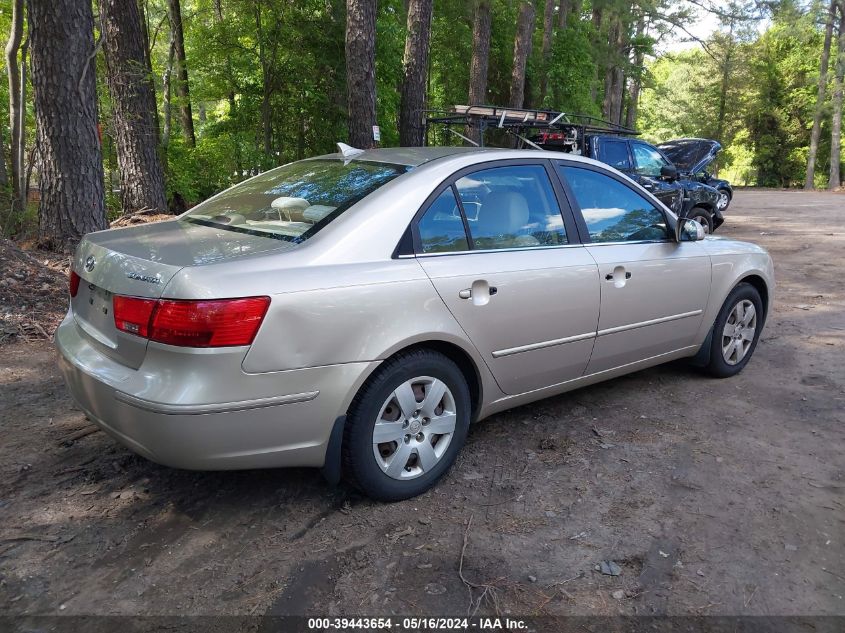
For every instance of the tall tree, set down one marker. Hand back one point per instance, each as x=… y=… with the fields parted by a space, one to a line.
x=133 y=107
x=836 y=123
x=637 y=76
x=415 y=65
x=481 y=25
x=815 y=134
x=361 y=71
x=521 y=52
x=546 y=50
x=186 y=119
x=16 y=108
x=614 y=85
x=63 y=51
x=166 y=93
x=563 y=9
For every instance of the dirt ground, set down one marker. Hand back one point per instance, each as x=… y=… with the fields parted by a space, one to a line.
x=711 y=496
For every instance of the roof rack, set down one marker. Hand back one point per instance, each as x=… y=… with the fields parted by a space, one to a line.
x=563 y=127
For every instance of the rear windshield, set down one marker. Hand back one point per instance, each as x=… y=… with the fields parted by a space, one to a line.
x=295 y=201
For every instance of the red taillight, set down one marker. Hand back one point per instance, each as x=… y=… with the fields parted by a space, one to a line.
x=132 y=314
x=73 y=283
x=213 y=323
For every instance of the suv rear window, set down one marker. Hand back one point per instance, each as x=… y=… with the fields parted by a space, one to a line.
x=295 y=201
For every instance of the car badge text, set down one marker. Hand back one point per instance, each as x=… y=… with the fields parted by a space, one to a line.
x=147 y=278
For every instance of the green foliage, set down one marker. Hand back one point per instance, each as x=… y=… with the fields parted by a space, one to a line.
x=767 y=80
x=770 y=95
x=572 y=71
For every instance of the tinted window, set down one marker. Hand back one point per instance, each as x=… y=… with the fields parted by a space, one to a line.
x=648 y=160
x=615 y=154
x=613 y=211
x=441 y=227
x=295 y=201
x=511 y=207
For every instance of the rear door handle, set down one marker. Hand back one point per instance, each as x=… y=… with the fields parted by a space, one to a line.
x=480 y=292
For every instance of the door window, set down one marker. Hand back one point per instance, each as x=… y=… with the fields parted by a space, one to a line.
x=613 y=211
x=615 y=154
x=441 y=227
x=648 y=160
x=511 y=207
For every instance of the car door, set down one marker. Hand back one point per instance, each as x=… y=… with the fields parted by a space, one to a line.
x=653 y=289
x=510 y=268
x=647 y=165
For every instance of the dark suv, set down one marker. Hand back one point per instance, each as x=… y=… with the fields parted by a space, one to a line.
x=647 y=165
x=692 y=156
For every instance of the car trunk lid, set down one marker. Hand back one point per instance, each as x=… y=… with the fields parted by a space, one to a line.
x=139 y=262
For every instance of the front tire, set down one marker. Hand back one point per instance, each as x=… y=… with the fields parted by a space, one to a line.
x=701 y=216
x=406 y=425
x=735 y=332
x=724 y=200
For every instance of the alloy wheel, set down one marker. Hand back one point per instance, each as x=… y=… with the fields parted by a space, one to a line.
x=722 y=204
x=414 y=427
x=738 y=333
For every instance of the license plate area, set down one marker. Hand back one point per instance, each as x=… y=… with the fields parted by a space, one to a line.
x=94 y=306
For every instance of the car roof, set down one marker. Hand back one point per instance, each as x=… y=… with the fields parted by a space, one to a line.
x=410 y=156
x=416 y=156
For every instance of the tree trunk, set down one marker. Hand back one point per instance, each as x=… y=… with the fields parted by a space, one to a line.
x=25 y=166
x=563 y=13
x=166 y=89
x=63 y=51
x=148 y=61
x=836 y=124
x=16 y=108
x=636 y=79
x=174 y=13
x=521 y=52
x=361 y=71
x=133 y=107
x=480 y=60
x=815 y=134
x=546 y=50
x=609 y=72
x=416 y=66
x=266 y=86
x=4 y=175
x=597 y=16
x=218 y=18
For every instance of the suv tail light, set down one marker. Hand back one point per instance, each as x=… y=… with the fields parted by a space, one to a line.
x=190 y=323
x=73 y=283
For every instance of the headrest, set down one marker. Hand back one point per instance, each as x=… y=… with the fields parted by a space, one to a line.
x=502 y=213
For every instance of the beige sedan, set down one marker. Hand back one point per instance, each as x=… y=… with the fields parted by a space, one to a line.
x=357 y=311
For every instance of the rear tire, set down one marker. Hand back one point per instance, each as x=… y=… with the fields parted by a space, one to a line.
x=701 y=216
x=418 y=404
x=735 y=332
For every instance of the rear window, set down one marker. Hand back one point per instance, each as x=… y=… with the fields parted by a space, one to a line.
x=295 y=201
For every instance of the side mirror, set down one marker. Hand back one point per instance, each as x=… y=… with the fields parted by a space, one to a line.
x=690 y=231
x=669 y=172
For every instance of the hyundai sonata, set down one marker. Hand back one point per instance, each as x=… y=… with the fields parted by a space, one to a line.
x=357 y=311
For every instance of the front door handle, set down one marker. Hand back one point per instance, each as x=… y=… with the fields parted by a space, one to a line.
x=618 y=277
x=466 y=293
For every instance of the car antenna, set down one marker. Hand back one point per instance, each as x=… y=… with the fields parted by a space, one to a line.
x=348 y=151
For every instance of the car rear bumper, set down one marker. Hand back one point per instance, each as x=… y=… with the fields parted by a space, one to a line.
x=201 y=411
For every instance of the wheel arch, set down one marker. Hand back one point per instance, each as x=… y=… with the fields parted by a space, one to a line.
x=469 y=364
x=466 y=363
x=761 y=287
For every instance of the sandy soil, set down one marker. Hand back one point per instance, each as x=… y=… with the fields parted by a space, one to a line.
x=712 y=497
